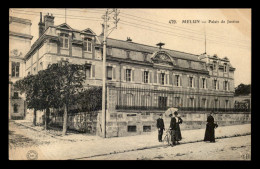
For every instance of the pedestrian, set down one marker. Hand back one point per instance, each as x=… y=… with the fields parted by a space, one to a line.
x=160 y=126
x=210 y=129
x=175 y=128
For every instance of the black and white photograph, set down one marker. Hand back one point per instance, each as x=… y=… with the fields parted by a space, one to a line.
x=129 y=84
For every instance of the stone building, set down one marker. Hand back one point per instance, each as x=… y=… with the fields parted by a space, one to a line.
x=19 y=44
x=141 y=79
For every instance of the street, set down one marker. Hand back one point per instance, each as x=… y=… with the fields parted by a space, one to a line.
x=26 y=143
x=235 y=148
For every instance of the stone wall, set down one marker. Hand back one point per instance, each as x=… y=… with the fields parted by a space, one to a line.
x=120 y=124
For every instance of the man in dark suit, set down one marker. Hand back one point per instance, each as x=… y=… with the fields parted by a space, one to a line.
x=160 y=126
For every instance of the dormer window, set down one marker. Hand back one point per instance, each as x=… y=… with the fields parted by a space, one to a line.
x=128 y=54
x=87 y=45
x=214 y=65
x=64 y=41
x=225 y=67
x=145 y=56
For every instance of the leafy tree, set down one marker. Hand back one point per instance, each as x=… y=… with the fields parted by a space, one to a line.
x=30 y=86
x=242 y=89
x=68 y=84
x=57 y=86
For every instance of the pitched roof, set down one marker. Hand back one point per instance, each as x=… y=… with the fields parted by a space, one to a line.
x=149 y=49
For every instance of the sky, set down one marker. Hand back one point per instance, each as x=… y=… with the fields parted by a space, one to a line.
x=151 y=26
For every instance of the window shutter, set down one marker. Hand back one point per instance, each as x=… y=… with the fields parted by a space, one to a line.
x=142 y=76
x=114 y=73
x=93 y=70
x=132 y=75
x=124 y=74
x=150 y=77
x=170 y=78
x=227 y=85
x=206 y=83
x=194 y=81
x=213 y=85
x=200 y=82
x=166 y=78
x=160 y=78
x=174 y=80
x=218 y=84
x=155 y=76
x=223 y=85
x=180 y=78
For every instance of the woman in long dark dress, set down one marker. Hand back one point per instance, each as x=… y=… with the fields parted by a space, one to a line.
x=175 y=129
x=210 y=129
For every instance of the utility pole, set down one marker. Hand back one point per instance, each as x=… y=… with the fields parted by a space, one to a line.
x=106 y=18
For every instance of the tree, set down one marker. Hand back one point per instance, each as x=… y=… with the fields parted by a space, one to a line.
x=55 y=87
x=242 y=89
x=68 y=85
x=30 y=86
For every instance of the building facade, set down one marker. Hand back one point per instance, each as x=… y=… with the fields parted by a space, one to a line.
x=19 y=44
x=140 y=78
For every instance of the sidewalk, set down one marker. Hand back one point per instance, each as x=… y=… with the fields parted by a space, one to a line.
x=98 y=146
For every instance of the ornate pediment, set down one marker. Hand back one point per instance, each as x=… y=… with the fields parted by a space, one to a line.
x=16 y=53
x=163 y=58
x=88 y=31
x=64 y=26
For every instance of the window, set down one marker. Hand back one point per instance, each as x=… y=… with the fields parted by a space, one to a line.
x=146 y=128
x=177 y=80
x=87 y=71
x=29 y=73
x=204 y=103
x=109 y=73
x=145 y=56
x=128 y=54
x=146 y=75
x=131 y=128
x=190 y=81
x=15 y=69
x=87 y=45
x=216 y=103
x=162 y=102
x=215 y=84
x=128 y=75
x=15 y=108
x=191 y=102
x=226 y=104
x=109 y=51
x=203 y=83
x=177 y=101
x=214 y=65
x=64 y=41
x=225 y=85
x=162 y=78
x=225 y=67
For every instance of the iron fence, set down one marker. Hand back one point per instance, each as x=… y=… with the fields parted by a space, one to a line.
x=152 y=99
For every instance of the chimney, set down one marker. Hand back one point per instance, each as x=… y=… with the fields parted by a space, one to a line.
x=129 y=39
x=48 y=20
x=41 y=26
